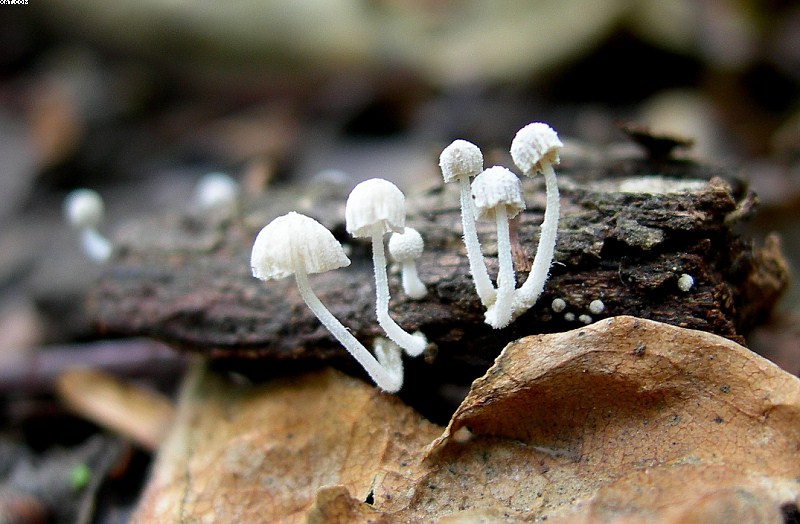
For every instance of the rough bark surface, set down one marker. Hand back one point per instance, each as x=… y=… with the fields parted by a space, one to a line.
x=629 y=228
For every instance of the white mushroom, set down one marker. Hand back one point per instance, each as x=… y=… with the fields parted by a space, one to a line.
x=376 y=207
x=294 y=244
x=460 y=161
x=535 y=149
x=685 y=282
x=558 y=305
x=84 y=209
x=405 y=248
x=586 y=319
x=217 y=193
x=497 y=195
x=596 y=307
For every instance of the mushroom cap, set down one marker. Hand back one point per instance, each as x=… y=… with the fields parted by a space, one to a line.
x=495 y=187
x=375 y=202
x=216 y=190
x=294 y=241
x=406 y=246
x=534 y=144
x=84 y=208
x=460 y=159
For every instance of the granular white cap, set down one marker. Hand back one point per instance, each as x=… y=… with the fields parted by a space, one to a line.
x=83 y=208
x=406 y=246
x=375 y=201
x=460 y=159
x=495 y=187
x=294 y=241
x=534 y=144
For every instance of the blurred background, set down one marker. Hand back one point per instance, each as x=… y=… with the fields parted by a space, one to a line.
x=138 y=100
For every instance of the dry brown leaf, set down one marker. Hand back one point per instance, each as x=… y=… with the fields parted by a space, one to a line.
x=626 y=420
x=261 y=454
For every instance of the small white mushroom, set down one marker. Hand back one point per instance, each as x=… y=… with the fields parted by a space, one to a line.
x=217 y=193
x=84 y=209
x=497 y=195
x=558 y=305
x=586 y=319
x=459 y=162
x=596 y=307
x=535 y=149
x=406 y=248
x=376 y=207
x=685 y=282
x=569 y=316
x=294 y=244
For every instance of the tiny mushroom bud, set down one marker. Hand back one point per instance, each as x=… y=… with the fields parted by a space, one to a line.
x=405 y=248
x=558 y=305
x=535 y=149
x=569 y=316
x=497 y=194
x=294 y=244
x=596 y=307
x=586 y=319
x=685 y=282
x=217 y=193
x=83 y=209
x=459 y=162
x=375 y=207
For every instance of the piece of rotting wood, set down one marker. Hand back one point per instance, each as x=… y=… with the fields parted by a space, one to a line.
x=629 y=229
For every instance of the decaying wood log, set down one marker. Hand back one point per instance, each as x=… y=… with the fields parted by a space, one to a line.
x=629 y=228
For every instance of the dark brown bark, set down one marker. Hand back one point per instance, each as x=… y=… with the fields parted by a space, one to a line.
x=187 y=282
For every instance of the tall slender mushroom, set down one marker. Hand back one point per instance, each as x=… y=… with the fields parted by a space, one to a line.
x=375 y=207
x=497 y=195
x=459 y=162
x=294 y=244
x=535 y=149
x=84 y=209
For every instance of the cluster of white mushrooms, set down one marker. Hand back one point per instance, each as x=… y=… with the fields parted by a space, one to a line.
x=496 y=194
x=294 y=244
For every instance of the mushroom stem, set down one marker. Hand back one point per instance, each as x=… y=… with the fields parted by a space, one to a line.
x=499 y=315
x=95 y=245
x=390 y=355
x=386 y=379
x=477 y=267
x=412 y=285
x=527 y=295
x=413 y=344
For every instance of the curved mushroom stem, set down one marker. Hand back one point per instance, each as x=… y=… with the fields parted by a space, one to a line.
x=527 y=295
x=499 y=315
x=95 y=245
x=413 y=344
x=386 y=379
x=412 y=285
x=477 y=267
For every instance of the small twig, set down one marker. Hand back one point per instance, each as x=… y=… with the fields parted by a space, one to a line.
x=36 y=370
